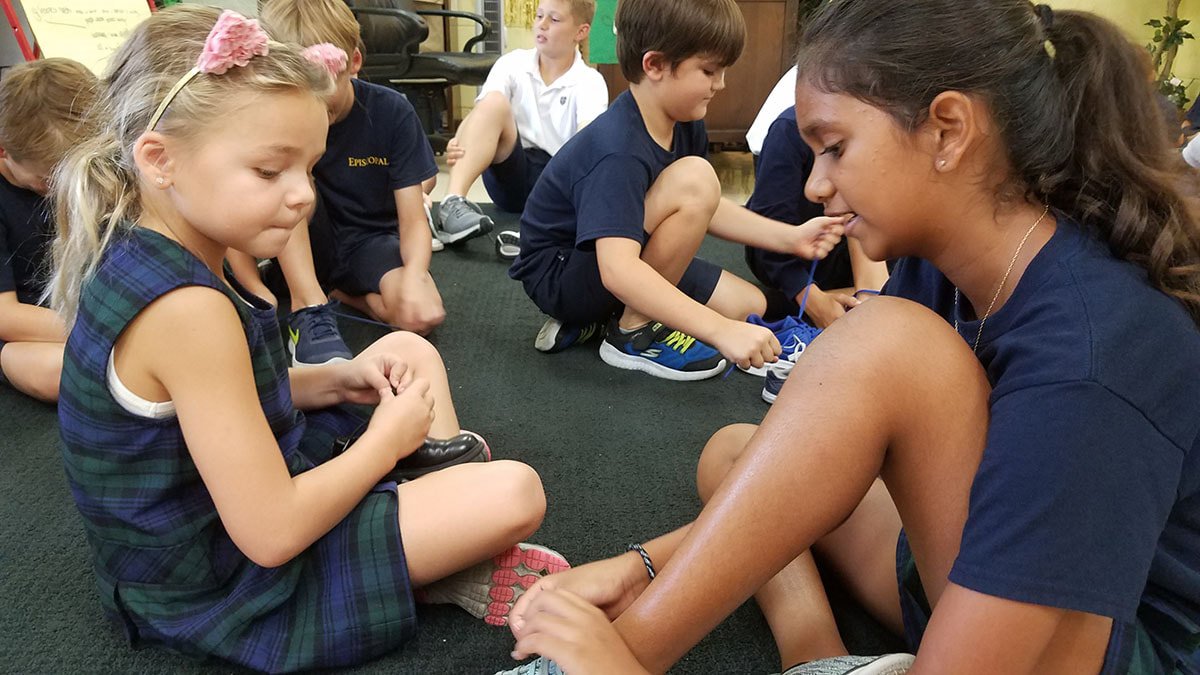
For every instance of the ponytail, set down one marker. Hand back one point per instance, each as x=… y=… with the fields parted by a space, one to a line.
x=95 y=195
x=1122 y=178
x=1070 y=95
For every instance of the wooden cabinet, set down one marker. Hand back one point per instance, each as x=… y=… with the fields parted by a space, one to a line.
x=770 y=28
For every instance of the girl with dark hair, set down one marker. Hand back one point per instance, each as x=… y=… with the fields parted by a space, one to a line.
x=1022 y=414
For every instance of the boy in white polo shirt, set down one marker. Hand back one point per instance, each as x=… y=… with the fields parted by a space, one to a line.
x=533 y=102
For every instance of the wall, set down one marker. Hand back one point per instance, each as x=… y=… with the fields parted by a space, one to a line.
x=1133 y=14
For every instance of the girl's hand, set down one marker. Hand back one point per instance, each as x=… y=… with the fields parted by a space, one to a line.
x=817 y=237
x=575 y=634
x=611 y=584
x=361 y=380
x=402 y=419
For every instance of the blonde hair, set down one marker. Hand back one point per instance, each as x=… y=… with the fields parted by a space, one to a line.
x=584 y=11
x=96 y=186
x=43 y=109
x=310 y=22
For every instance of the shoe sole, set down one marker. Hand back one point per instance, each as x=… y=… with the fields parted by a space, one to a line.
x=768 y=396
x=619 y=359
x=547 y=336
x=508 y=244
x=760 y=371
x=300 y=364
x=488 y=590
x=484 y=226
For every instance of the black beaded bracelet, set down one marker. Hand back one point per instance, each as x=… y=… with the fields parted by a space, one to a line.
x=645 y=558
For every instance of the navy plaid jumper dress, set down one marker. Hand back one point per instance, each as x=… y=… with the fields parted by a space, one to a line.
x=166 y=568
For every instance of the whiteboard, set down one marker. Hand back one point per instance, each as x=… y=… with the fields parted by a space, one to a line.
x=88 y=31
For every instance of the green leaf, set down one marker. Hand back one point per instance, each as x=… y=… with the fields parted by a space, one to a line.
x=1154 y=23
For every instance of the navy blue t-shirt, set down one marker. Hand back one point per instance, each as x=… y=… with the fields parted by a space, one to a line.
x=26 y=231
x=378 y=148
x=596 y=185
x=784 y=167
x=1088 y=494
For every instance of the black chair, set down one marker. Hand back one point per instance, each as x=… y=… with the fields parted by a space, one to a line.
x=392 y=32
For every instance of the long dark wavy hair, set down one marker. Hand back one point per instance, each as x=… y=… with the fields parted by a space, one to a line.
x=1070 y=94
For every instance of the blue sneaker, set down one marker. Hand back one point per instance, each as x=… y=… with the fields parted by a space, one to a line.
x=662 y=352
x=556 y=336
x=777 y=374
x=794 y=336
x=314 y=337
x=539 y=666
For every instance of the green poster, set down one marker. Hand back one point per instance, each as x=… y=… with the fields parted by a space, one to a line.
x=602 y=45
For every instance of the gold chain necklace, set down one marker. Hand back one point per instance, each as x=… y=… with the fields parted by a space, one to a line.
x=1011 y=264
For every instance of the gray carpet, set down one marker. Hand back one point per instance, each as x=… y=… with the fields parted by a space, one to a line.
x=616 y=451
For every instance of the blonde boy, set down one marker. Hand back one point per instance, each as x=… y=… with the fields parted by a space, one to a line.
x=368 y=237
x=43 y=108
x=533 y=102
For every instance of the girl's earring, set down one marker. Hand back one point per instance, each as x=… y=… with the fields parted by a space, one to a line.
x=160 y=180
x=941 y=164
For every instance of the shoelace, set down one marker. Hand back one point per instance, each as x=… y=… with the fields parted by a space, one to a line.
x=321 y=325
x=679 y=341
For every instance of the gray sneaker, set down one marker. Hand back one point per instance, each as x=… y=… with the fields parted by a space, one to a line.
x=888 y=664
x=461 y=220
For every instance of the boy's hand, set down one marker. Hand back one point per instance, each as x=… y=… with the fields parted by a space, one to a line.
x=817 y=237
x=403 y=418
x=420 y=309
x=573 y=633
x=361 y=380
x=825 y=308
x=454 y=151
x=747 y=345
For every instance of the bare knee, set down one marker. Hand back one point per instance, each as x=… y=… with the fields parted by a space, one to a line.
x=407 y=346
x=691 y=183
x=516 y=494
x=719 y=455
x=493 y=104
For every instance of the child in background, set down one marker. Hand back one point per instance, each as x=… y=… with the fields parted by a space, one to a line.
x=222 y=521
x=368 y=237
x=1030 y=502
x=43 y=105
x=533 y=102
x=611 y=229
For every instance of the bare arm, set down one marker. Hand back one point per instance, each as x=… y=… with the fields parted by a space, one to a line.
x=20 y=322
x=975 y=633
x=270 y=515
x=868 y=274
x=416 y=242
x=813 y=239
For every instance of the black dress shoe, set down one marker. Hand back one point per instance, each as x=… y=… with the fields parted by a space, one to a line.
x=438 y=454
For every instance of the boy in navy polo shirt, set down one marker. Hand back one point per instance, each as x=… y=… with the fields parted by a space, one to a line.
x=611 y=229
x=368 y=238
x=533 y=102
x=43 y=107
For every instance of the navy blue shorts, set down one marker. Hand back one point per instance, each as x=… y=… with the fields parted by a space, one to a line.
x=1131 y=649
x=509 y=183
x=570 y=289
x=351 y=261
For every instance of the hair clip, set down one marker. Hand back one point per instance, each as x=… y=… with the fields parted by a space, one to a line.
x=233 y=41
x=329 y=57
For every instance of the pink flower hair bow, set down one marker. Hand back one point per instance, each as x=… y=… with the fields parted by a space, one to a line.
x=329 y=57
x=234 y=40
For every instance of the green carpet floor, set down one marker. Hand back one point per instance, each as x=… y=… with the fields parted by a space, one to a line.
x=616 y=451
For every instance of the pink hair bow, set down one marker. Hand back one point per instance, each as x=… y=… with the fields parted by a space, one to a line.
x=234 y=40
x=327 y=56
